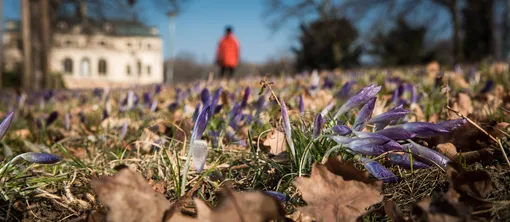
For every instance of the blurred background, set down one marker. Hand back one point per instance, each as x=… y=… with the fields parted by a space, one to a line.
x=98 y=43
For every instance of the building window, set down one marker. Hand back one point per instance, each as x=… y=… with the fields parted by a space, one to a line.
x=85 y=67
x=102 y=67
x=149 y=70
x=128 y=70
x=69 y=42
x=139 y=67
x=68 y=66
x=102 y=43
x=129 y=44
x=148 y=46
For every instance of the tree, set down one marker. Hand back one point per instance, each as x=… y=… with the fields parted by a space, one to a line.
x=404 y=45
x=478 y=30
x=327 y=44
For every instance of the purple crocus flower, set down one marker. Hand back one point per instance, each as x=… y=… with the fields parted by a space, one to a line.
x=51 y=118
x=451 y=125
x=489 y=85
x=157 y=89
x=395 y=97
x=173 y=106
x=105 y=113
x=371 y=146
x=328 y=84
x=236 y=111
x=246 y=96
x=205 y=96
x=201 y=123
x=378 y=171
x=364 y=115
x=40 y=158
x=396 y=133
x=48 y=95
x=423 y=129
x=178 y=95
x=6 y=123
x=360 y=98
x=261 y=103
x=287 y=128
x=344 y=91
x=147 y=98
x=301 y=105
x=404 y=160
x=197 y=111
x=426 y=154
x=318 y=123
x=215 y=100
x=97 y=92
x=279 y=196
x=340 y=130
x=82 y=117
x=386 y=118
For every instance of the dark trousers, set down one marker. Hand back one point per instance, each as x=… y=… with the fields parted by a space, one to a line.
x=228 y=70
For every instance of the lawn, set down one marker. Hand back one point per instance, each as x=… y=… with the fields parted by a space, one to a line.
x=402 y=144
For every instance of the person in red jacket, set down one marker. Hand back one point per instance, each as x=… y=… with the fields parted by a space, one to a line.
x=227 y=54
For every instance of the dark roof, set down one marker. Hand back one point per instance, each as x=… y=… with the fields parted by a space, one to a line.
x=90 y=26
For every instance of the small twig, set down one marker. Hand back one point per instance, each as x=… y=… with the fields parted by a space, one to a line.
x=504 y=110
x=485 y=132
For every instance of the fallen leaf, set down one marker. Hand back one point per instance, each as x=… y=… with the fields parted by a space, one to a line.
x=393 y=212
x=129 y=197
x=23 y=133
x=472 y=186
x=440 y=207
x=339 y=196
x=463 y=105
x=448 y=149
x=275 y=140
x=250 y=206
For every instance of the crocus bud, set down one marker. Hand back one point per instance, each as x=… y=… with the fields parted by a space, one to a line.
x=364 y=115
x=40 y=158
x=360 y=98
x=6 y=123
x=378 y=171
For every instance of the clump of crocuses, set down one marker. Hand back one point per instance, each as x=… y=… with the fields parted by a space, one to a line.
x=392 y=136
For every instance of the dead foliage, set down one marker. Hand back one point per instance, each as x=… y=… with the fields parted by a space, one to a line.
x=338 y=192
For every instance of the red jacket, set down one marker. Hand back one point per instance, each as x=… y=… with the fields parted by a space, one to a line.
x=228 y=51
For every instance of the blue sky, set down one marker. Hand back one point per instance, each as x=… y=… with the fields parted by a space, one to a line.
x=202 y=23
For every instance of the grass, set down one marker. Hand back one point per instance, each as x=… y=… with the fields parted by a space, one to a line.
x=62 y=191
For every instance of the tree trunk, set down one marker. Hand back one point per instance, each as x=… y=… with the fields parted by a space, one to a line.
x=457 y=44
x=1 y=42
x=27 y=46
x=45 y=50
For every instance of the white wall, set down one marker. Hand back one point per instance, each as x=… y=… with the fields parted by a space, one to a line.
x=117 y=55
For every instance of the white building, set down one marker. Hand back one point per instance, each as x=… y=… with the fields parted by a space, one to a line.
x=96 y=54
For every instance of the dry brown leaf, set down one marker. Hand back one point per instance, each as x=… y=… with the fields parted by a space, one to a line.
x=23 y=133
x=440 y=207
x=472 y=186
x=447 y=149
x=463 y=105
x=252 y=206
x=393 y=212
x=129 y=197
x=339 y=196
x=275 y=141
